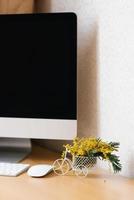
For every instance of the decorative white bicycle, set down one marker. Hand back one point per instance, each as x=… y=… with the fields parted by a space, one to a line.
x=79 y=164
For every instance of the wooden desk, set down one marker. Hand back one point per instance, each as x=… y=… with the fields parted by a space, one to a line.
x=99 y=185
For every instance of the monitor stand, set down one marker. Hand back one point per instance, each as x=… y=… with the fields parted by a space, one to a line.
x=14 y=149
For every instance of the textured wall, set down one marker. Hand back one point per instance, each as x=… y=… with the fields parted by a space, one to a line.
x=116 y=77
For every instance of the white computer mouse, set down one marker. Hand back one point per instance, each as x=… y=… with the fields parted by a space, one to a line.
x=39 y=170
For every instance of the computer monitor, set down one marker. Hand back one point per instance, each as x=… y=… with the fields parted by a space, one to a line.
x=38 y=77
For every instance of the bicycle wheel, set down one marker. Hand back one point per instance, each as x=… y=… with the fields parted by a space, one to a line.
x=81 y=170
x=61 y=166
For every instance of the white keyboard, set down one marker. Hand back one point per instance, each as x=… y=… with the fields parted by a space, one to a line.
x=12 y=169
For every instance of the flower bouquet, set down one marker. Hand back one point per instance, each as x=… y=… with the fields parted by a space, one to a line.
x=86 y=151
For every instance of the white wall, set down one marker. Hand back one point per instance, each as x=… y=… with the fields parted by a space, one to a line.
x=106 y=70
x=116 y=76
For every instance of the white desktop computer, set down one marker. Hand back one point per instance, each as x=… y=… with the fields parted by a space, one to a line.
x=38 y=80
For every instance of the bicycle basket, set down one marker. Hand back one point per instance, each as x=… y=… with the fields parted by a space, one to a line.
x=88 y=162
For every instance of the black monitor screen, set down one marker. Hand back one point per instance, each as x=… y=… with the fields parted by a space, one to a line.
x=38 y=66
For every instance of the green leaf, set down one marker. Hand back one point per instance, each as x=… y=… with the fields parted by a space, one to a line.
x=114 y=159
x=114 y=144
